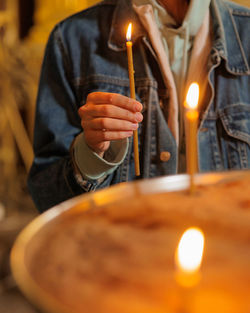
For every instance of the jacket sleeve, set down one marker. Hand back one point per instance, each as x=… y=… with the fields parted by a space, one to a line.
x=52 y=178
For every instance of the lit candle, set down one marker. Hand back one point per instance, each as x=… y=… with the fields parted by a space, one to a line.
x=188 y=257
x=192 y=115
x=132 y=94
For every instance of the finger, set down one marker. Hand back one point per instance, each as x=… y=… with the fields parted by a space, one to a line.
x=96 y=137
x=115 y=112
x=114 y=99
x=110 y=124
x=88 y=112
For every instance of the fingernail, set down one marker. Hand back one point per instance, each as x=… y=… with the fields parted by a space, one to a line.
x=138 y=106
x=138 y=117
x=134 y=126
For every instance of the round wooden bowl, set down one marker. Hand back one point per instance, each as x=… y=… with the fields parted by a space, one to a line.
x=112 y=251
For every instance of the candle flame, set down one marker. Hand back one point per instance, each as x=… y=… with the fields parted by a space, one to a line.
x=189 y=252
x=192 y=96
x=129 y=31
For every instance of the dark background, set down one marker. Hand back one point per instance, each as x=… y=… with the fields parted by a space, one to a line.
x=26 y=10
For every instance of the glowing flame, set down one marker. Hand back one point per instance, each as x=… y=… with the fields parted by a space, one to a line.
x=192 y=96
x=190 y=250
x=129 y=31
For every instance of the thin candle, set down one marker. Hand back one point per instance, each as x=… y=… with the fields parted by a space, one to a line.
x=192 y=115
x=132 y=94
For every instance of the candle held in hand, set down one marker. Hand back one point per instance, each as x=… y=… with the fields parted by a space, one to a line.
x=192 y=115
x=132 y=95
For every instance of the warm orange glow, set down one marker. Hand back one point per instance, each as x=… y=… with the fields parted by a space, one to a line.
x=192 y=96
x=129 y=31
x=190 y=250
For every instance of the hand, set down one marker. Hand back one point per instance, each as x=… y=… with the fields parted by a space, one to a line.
x=108 y=116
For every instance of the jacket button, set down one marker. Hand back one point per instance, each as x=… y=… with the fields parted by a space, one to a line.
x=165 y=156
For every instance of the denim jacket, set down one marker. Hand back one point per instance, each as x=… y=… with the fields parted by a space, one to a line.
x=87 y=53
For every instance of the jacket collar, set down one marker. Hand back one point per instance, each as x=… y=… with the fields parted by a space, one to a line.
x=226 y=39
x=123 y=15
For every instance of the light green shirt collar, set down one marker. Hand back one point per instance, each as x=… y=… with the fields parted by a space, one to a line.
x=193 y=19
x=178 y=42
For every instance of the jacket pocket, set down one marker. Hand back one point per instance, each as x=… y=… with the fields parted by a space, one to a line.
x=98 y=82
x=235 y=135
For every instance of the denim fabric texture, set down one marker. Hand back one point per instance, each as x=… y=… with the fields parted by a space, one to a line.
x=87 y=53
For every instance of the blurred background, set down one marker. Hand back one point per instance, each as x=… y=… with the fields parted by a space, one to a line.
x=24 y=29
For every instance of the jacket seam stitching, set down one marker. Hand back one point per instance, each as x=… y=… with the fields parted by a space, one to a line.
x=239 y=42
x=59 y=39
x=117 y=81
x=235 y=134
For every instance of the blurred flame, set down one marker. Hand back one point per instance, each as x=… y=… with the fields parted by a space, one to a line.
x=189 y=252
x=129 y=31
x=192 y=96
